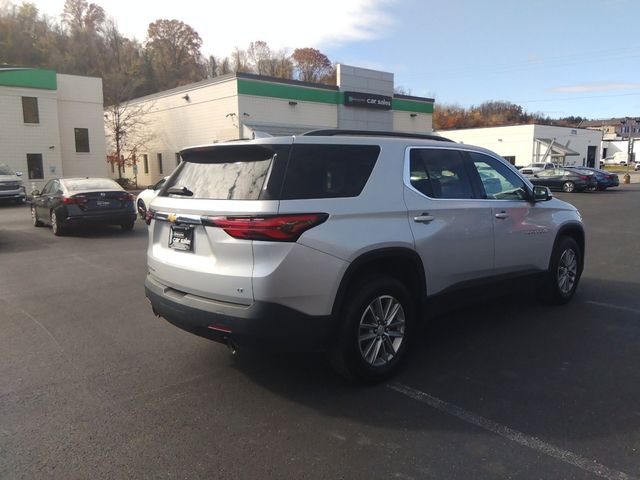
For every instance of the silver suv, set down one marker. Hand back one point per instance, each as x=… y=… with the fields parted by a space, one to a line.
x=336 y=241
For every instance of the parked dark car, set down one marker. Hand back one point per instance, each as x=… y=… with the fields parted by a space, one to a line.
x=65 y=202
x=605 y=179
x=565 y=179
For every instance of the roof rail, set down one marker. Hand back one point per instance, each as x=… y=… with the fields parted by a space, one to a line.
x=373 y=133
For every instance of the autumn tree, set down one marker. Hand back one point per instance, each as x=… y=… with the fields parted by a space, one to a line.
x=127 y=133
x=310 y=64
x=174 y=50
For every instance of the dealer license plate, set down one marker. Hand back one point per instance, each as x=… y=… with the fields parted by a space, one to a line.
x=181 y=238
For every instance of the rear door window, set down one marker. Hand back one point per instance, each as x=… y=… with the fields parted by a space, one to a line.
x=230 y=172
x=440 y=173
x=328 y=171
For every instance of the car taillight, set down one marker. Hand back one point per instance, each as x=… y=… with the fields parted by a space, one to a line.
x=274 y=228
x=75 y=200
x=148 y=216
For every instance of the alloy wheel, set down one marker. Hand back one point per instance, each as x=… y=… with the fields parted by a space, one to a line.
x=381 y=330
x=568 y=187
x=567 y=271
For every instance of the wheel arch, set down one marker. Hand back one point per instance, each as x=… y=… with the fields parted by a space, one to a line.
x=576 y=231
x=400 y=263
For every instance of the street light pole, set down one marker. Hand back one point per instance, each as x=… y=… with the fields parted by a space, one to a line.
x=627 y=176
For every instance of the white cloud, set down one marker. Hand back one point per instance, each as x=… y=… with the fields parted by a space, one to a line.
x=224 y=25
x=596 y=87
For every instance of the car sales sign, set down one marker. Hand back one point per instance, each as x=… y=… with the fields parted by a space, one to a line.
x=367 y=100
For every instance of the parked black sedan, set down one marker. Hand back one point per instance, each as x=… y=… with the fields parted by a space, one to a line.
x=605 y=179
x=565 y=180
x=65 y=202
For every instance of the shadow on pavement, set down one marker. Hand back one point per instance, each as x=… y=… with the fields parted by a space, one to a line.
x=555 y=372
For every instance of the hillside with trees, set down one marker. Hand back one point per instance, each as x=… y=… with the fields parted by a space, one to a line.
x=492 y=114
x=86 y=41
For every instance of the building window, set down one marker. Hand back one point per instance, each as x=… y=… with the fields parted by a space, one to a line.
x=82 y=139
x=145 y=162
x=160 y=163
x=511 y=159
x=34 y=166
x=30 y=112
x=113 y=167
x=177 y=159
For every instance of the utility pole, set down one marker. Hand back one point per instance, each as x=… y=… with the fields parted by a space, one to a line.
x=627 y=177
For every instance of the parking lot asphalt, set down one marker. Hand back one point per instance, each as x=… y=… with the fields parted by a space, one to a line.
x=92 y=385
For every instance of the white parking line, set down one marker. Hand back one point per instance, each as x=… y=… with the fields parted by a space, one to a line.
x=617 y=307
x=534 y=443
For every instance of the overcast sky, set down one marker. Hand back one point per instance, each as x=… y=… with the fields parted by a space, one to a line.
x=569 y=57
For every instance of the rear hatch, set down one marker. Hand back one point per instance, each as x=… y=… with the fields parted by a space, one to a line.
x=188 y=249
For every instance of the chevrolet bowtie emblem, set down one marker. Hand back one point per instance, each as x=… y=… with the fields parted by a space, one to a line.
x=172 y=217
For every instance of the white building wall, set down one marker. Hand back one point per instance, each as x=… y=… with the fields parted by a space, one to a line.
x=404 y=122
x=80 y=106
x=505 y=141
x=577 y=139
x=267 y=111
x=17 y=138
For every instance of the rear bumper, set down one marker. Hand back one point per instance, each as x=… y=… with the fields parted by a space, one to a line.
x=109 y=218
x=259 y=326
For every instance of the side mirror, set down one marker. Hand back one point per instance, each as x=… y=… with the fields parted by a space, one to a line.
x=18 y=174
x=35 y=193
x=541 y=194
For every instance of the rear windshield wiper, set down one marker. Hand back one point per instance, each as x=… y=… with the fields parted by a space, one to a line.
x=180 y=191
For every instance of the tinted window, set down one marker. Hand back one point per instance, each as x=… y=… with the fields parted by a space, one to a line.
x=34 y=166
x=47 y=188
x=499 y=182
x=82 y=139
x=145 y=160
x=440 y=173
x=83 y=184
x=30 y=113
x=328 y=171
x=160 y=163
x=236 y=172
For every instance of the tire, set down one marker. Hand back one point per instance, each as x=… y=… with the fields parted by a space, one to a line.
x=128 y=226
x=142 y=208
x=56 y=228
x=378 y=319
x=568 y=187
x=34 y=218
x=565 y=268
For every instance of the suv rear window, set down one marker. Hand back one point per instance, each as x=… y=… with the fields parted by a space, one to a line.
x=231 y=172
x=328 y=171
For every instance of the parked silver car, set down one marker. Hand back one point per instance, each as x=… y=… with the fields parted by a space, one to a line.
x=11 y=186
x=335 y=241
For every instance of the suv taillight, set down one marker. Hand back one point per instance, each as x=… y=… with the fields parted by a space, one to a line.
x=274 y=228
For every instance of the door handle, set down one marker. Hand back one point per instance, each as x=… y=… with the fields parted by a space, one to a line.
x=502 y=215
x=424 y=218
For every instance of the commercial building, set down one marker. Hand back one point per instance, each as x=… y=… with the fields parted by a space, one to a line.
x=242 y=105
x=524 y=144
x=52 y=125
